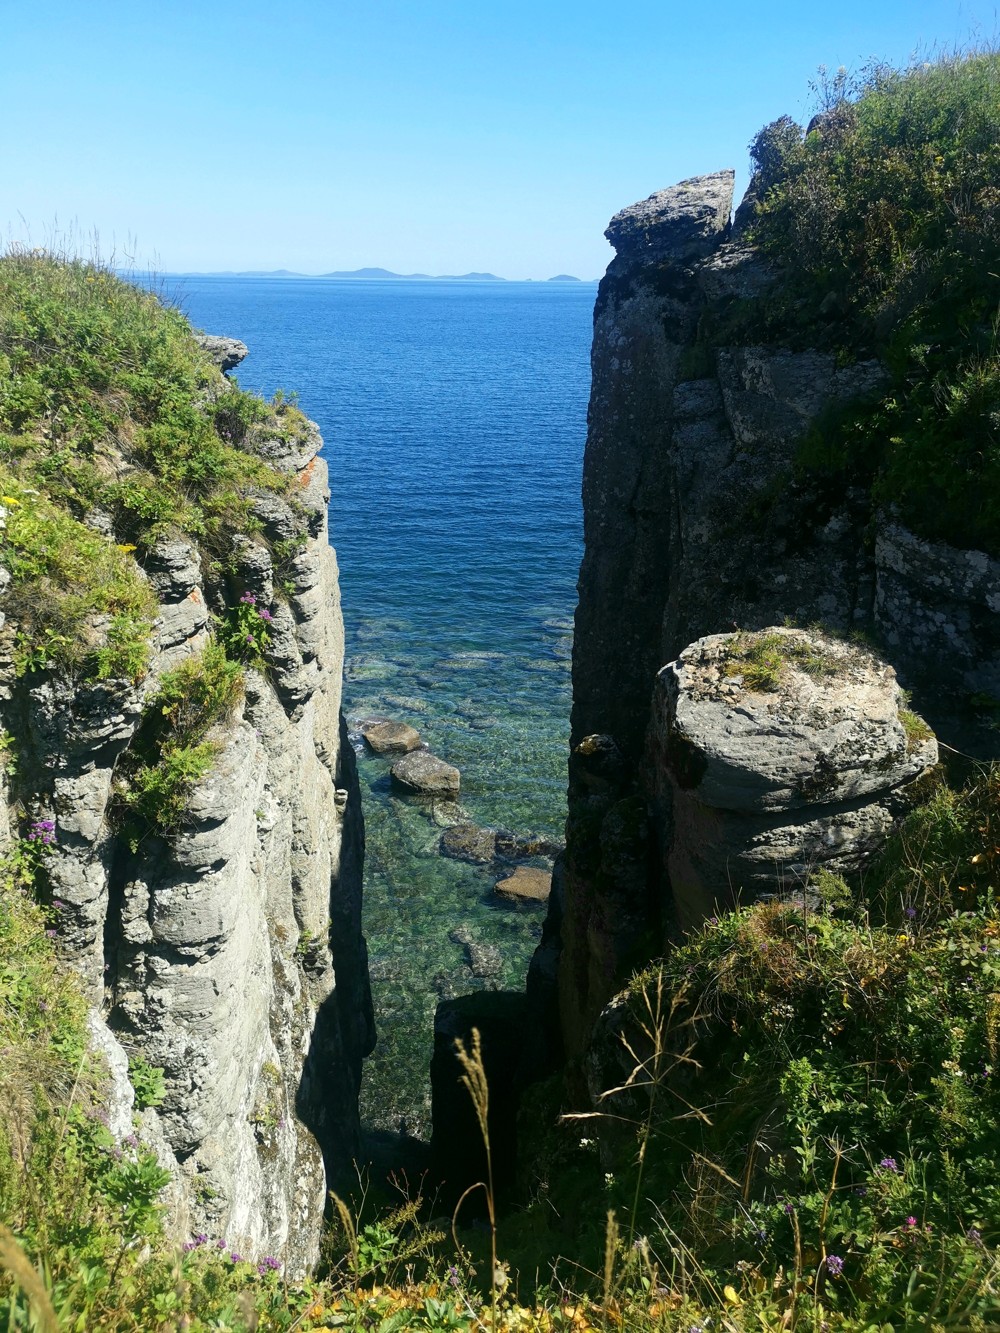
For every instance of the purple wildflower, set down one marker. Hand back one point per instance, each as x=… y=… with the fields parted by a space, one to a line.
x=248 y=599
x=269 y=1262
x=834 y=1265
x=201 y=1238
x=910 y=1222
x=974 y=1235
x=188 y=1246
x=911 y=912
x=453 y=1276
x=236 y=1258
x=789 y=1209
x=265 y=614
x=220 y=1244
x=52 y=934
x=888 y=1164
x=43 y=831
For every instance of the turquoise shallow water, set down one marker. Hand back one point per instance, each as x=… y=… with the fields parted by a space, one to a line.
x=454 y=418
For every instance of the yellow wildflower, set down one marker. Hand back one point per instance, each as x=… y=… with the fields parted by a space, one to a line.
x=9 y=500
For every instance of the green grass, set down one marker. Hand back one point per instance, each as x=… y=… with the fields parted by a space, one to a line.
x=888 y=217
x=111 y=412
x=799 y=1133
x=763 y=659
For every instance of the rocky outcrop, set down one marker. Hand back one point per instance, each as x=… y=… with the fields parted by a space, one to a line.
x=229 y=952
x=697 y=522
x=765 y=785
x=527 y=884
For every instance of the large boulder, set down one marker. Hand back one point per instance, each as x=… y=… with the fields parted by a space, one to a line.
x=388 y=737
x=423 y=774
x=778 y=753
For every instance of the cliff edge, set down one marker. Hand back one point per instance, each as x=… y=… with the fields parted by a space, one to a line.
x=170 y=683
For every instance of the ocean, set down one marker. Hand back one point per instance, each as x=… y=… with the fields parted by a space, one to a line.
x=454 y=419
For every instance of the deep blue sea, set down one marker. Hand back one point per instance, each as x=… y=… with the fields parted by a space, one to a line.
x=454 y=418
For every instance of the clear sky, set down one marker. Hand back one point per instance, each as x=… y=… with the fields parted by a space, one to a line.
x=420 y=135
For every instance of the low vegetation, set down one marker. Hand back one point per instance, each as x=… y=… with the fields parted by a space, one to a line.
x=762 y=658
x=115 y=430
x=174 y=748
x=799 y=1132
x=884 y=221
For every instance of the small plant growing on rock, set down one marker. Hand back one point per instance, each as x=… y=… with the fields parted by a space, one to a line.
x=245 y=631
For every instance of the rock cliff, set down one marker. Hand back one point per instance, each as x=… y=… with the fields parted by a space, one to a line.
x=698 y=523
x=226 y=952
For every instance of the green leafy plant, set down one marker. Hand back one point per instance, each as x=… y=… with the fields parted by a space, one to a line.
x=147 y=1082
x=172 y=749
x=884 y=222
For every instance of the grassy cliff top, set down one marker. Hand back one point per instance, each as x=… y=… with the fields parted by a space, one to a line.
x=884 y=220
x=116 y=430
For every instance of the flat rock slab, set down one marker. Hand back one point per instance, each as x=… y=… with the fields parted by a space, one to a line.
x=527 y=884
x=387 y=737
x=423 y=774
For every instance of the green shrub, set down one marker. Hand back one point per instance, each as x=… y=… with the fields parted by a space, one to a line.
x=172 y=749
x=888 y=213
x=107 y=403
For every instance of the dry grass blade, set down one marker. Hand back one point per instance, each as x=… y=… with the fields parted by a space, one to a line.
x=19 y=1267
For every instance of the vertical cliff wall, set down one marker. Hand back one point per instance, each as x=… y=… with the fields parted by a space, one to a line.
x=228 y=950
x=697 y=522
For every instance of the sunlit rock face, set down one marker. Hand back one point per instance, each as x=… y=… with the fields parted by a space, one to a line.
x=766 y=783
x=696 y=523
x=228 y=953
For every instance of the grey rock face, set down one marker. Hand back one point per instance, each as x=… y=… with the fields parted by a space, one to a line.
x=423 y=774
x=683 y=222
x=767 y=786
x=696 y=522
x=229 y=953
x=227 y=353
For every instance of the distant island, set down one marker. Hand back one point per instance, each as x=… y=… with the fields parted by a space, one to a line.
x=366 y=275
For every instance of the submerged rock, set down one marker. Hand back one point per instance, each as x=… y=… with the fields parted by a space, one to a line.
x=484 y=960
x=423 y=774
x=388 y=737
x=469 y=842
x=528 y=884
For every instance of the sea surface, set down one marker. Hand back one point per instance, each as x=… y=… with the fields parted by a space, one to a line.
x=454 y=418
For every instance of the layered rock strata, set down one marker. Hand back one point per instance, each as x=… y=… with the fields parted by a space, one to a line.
x=763 y=787
x=229 y=953
x=696 y=522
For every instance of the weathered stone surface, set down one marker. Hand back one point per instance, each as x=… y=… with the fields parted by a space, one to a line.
x=469 y=842
x=527 y=884
x=387 y=737
x=683 y=222
x=697 y=520
x=423 y=774
x=227 y=353
x=767 y=786
x=229 y=952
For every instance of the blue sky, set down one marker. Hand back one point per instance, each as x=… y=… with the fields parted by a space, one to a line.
x=430 y=135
